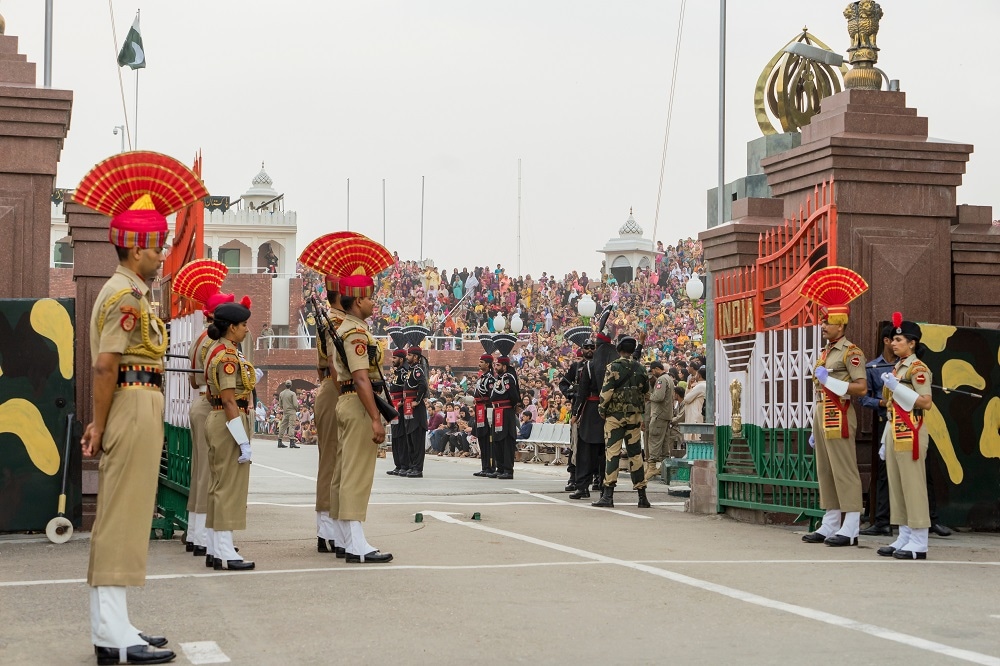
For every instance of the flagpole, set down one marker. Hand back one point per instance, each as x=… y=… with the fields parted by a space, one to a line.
x=348 y=204
x=136 y=117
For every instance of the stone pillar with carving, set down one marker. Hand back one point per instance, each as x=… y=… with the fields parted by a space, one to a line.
x=33 y=124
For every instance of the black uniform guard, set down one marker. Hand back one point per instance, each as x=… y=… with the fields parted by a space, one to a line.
x=598 y=352
x=414 y=410
x=568 y=386
x=506 y=395
x=482 y=392
x=396 y=381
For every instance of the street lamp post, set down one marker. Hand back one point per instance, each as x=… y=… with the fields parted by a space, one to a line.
x=516 y=323
x=120 y=129
x=499 y=323
x=586 y=307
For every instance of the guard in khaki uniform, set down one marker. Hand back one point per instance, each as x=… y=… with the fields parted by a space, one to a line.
x=357 y=364
x=661 y=412
x=231 y=380
x=905 y=441
x=839 y=375
x=200 y=281
x=127 y=346
x=289 y=404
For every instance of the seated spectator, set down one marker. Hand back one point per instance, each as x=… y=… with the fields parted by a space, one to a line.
x=524 y=432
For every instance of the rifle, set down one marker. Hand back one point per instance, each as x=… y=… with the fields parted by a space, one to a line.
x=383 y=404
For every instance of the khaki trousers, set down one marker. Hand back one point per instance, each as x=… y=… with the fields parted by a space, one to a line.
x=837 y=466
x=201 y=475
x=325 y=411
x=126 y=488
x=227 y=494
x=357 y=459
x=908 y=483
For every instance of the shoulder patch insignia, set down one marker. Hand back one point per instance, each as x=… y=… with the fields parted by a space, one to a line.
x=855 y=361
x=360 y=349
x=229 y=368
x=128 y=322
x=920 y=378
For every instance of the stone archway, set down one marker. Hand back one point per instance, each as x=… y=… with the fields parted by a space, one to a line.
x=270 y=257
x=236 y=255
x=621 y=268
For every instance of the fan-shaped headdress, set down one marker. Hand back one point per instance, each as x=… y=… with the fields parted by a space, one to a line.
x=138 y=190
x=578 y=335
x=833 y=288
x=398 y=340
x=318 y=254
x=505 y=344
x=488 y=348
x=414 y=336
x=357 y=259
x=201 y=280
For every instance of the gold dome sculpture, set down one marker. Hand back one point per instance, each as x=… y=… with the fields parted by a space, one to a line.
x=791 y=87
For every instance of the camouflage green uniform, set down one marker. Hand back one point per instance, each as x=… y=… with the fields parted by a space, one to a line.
x=623 y=400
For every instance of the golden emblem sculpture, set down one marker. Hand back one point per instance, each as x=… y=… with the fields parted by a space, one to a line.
x=791 y=87
x=862 y=25
x=735 y=391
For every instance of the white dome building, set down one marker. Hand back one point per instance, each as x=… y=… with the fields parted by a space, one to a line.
x=629 y=252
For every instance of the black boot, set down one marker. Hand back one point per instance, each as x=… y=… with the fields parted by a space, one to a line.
x=281 y=446
x=607 y=498
x=582 y=492
x=643 y=500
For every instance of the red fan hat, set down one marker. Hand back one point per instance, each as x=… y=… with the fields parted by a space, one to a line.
x=137 y=190
x=319 y=256
x=833 y=288
x=357 y=259
x=201 y=280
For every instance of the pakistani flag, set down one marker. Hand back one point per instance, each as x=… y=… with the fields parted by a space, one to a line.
x=132 y=54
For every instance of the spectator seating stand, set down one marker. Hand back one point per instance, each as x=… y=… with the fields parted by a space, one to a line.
x=545 y=440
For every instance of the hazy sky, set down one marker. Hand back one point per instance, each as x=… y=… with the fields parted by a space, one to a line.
x=459 y=90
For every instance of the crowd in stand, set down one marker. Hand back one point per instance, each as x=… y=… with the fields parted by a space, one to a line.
x=458 y=302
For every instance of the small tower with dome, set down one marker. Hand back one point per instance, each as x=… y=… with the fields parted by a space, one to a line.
x=628 y=253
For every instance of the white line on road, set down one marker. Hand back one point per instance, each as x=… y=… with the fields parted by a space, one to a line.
x=741 y=595
x=583 y=505
x=421 y=503
x=285 y=471
x=204 y=652
x=880 y=562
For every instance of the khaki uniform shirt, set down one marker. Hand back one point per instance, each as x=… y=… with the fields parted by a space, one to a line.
x=229 y=369
x=844 y=360
x=116 y=324
x=357 y=338
x=661 y=399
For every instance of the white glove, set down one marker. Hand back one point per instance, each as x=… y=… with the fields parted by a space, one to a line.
x=812 y=441
x=904 y=396
x=881 y=451
x=890 y=381
x=237 y=430
x=244 y=453
x=259 y=373
x=837 y=386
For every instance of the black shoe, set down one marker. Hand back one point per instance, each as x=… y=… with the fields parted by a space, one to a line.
x=393 y=472
x=570 y=487
x=374 y=557
x=209 y=561
x=136 y=654
x=597 y=486
x=341 y=552
x=199 y=551
x=188 y=546
x=414 y=474
x=643 y=500
x=155 y=641
x=813 y=537
x=505 y=475
x=233 y=565
x=886 y=551
x=583 y=493
x=324 y=545
x=607 y=500
x=877 y=530
x=281 y=446
x=940 y=530
x=490 y=475
x=480 y=473
x=838 y=540
x=293 y=445
x=909 y=555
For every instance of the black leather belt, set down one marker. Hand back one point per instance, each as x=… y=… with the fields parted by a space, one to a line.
x=348 y=387
x=135 y=377
x=216 y=403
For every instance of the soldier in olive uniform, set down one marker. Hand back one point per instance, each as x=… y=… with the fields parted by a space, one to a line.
x=361 y=428
x=623 y=399
x=661 y=412
x=231 y=381
x=839 y=375
x=905 y=442
x=289 y=403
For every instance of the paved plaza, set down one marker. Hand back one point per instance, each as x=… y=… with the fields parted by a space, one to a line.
x=539 y=579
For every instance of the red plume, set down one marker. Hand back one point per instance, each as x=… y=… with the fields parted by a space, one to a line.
x=245 y=302
x=897 y=319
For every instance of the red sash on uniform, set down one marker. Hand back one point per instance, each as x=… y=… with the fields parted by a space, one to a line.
x=480 y=413
x=397 y=400
x=835 y=414
x=498 y=411
x=904 y=431
x=408 y=398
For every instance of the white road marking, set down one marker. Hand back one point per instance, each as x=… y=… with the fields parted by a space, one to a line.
x=204 y=652
x=741 y=595
x=284 y=471
x=415 y=502
x=880 y=562
x=579 y=505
